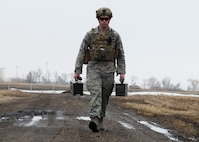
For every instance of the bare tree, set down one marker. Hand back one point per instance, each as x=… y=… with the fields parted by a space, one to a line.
x=48 y=77
x=166 y=83
x=60 y=80
x=56 y=76
x=64 y=77
x=194 y=84
x=145 y=84
x=176 y=87
x=153 y=83
x=39 y=73
x=30 y=77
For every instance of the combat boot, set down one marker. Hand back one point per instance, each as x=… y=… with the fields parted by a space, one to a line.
x=100 y=124
x=93 y=125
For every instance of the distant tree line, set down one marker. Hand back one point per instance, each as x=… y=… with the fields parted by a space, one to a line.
x=165 y=83
x=37 y=76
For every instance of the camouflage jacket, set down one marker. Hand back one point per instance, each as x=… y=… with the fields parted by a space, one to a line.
x=118 y=65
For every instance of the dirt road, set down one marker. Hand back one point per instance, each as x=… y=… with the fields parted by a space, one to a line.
x=64 y=118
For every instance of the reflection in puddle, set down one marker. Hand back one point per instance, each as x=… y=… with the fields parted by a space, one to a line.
x=3 y=118
x=34 y=121
x=59 y=115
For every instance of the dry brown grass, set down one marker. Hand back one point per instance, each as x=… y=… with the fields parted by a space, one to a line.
x=8 y=95
x=181 y=113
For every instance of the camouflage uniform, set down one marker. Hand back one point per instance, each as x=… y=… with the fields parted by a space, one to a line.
x=100 y=74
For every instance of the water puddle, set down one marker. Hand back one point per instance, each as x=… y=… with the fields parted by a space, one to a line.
x=38 y=118
x=158 y=129
x=33 y=118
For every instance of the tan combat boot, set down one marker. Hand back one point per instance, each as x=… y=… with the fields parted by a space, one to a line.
x=100 y=124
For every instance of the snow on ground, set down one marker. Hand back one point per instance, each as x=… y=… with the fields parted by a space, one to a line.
x=113 y=94
x=162 y=93
x=153 y=93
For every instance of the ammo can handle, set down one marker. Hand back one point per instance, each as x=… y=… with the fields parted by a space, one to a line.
x=79 y=78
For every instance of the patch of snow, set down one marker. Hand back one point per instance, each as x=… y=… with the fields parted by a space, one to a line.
x=158 y=130
x=86 y=118
x=44 y=91
x=162 y=93
x=126 y=125
x=151 y=93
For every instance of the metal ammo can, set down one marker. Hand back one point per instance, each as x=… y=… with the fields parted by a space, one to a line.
x=76 y=88
x=121 y=89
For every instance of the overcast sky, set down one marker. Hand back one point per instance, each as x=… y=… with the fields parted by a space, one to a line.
x=160 y=37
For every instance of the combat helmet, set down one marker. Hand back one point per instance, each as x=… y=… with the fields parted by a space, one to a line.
x=103 y=11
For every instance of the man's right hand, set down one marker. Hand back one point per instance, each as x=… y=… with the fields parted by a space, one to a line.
x=77 y=76
x=122 y=76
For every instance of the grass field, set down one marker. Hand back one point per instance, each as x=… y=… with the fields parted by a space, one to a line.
x=6 y=95
x=9 y=96
x=181 y=113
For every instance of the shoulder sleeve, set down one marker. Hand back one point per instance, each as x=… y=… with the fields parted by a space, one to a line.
x=121 y=64
x=84 y=45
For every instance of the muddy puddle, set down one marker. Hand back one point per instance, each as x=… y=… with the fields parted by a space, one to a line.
x=33 y=118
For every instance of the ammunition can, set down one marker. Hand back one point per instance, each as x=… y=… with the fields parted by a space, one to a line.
x=76 y=88
x=121 y=89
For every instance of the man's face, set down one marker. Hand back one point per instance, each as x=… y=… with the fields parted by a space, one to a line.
x=104 y=21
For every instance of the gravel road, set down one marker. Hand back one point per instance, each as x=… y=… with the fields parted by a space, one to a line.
x=64 y=118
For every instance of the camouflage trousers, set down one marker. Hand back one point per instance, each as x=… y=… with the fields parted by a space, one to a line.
x=100 y=86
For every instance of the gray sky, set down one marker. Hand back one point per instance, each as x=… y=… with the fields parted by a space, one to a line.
x=160 y=37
